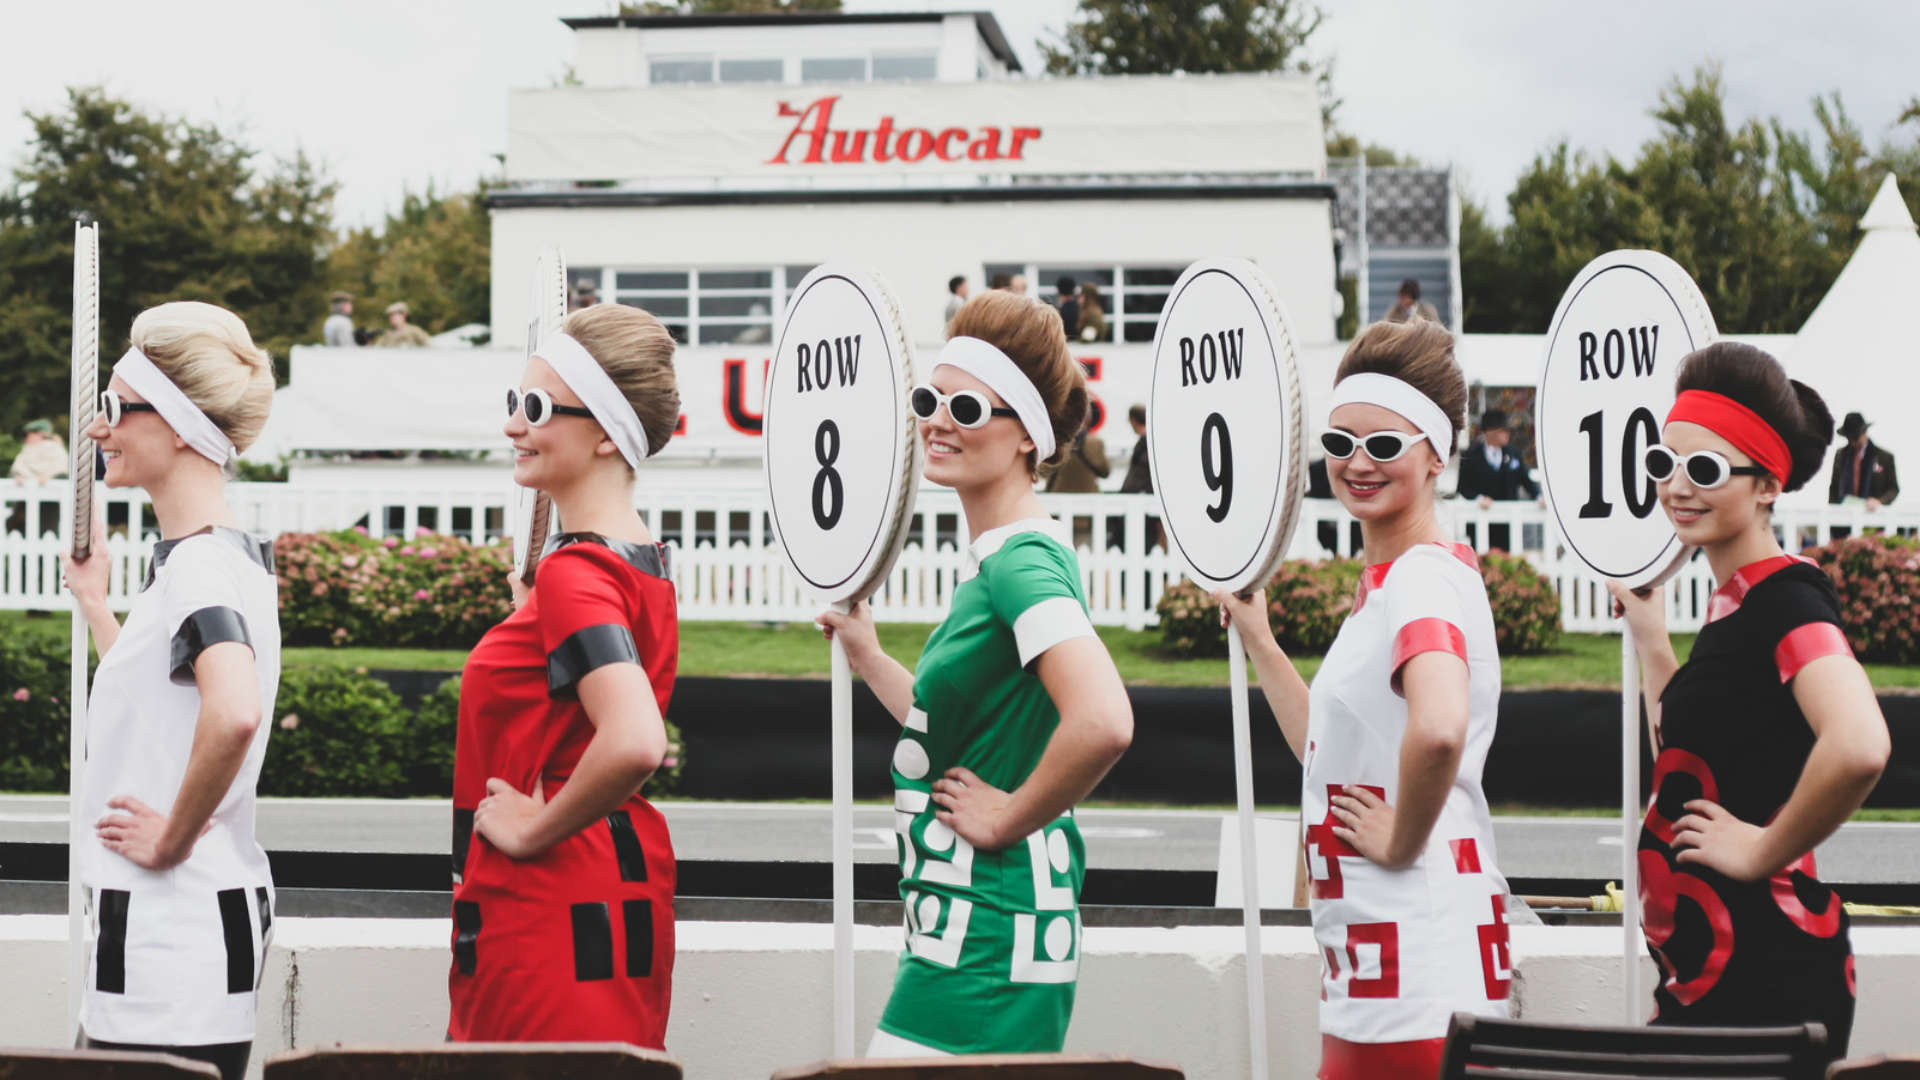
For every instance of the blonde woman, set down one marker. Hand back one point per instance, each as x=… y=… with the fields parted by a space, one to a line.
x=181 y=895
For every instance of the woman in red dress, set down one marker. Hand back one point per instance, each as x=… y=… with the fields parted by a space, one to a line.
x=563 y=875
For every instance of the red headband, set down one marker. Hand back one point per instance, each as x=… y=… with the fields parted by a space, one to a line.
x=1738 y=425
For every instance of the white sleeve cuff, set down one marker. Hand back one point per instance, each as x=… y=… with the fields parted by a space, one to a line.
x=1048 y=623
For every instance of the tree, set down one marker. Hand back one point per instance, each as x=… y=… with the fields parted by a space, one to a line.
x=1198 y=37
x=727 y=7
x=185 y=215
x=435 y=254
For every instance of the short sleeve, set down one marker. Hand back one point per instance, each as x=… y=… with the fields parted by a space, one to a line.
x=1424 y=610
x=1034 y=586
x=1803 y=624
x=202 y=603
x=584 y=613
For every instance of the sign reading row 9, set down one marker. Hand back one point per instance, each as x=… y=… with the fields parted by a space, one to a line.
x=1224 y=430
x=842 y=451
x=1605 y=389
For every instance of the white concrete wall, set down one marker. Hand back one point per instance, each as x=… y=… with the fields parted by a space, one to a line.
x=916 y=246
x=753 y=997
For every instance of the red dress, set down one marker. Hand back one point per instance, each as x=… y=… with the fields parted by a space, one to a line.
x=575 y=945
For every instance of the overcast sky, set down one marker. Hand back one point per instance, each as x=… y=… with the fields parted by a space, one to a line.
x=400 y=92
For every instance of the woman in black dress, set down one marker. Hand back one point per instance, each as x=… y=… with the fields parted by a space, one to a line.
x=1768 y=738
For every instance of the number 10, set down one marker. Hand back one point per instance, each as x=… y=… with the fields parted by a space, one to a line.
x=1640 y=497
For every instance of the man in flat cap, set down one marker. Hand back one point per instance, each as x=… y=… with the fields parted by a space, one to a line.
x=1861 y=469
x=42 y=456
x=401 y=333
x=338 y=331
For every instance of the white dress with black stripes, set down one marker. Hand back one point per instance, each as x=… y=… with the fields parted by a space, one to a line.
x=178 y=954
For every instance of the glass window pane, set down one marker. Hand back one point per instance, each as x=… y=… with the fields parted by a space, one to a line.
x=797 y=274
x=1145 y=303
x=1101 y=276
x=924 y=66
x=645 y=279
x=995 y=271
x=834 y=70
x=736 y=334
x=756 y=307
x=680 y=71
x=1147 y=275
x=679 y=332
x=752 y=70
x=1141 y=330
x=736 y=279
x=662 y=306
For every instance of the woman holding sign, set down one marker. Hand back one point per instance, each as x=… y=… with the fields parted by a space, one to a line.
x=1408 y=907
x=563 y=874
x=1014 y=714
x=1769 y=736
x=182 y=894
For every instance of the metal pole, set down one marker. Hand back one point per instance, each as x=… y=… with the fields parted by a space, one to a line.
x=1631 y=946
x=842 y=848
x=1249 y=865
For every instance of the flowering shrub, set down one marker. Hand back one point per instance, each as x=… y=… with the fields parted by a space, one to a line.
x=34 y=716
x=345 y=588
x=1526 y=610
x=1878 y=579
x=336 y=732
x=1190 y=622
x=1307 y=602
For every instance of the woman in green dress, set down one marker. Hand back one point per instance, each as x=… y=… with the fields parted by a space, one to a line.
x=1014 y=714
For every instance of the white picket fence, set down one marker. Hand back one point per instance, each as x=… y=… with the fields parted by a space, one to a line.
x=727 y=566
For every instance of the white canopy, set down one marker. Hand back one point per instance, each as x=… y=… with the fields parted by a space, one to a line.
x=1858 y=348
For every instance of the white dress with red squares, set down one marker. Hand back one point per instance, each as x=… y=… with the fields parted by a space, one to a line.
x=1403 y=950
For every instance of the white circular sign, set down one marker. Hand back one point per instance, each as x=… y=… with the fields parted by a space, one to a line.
x=842 y=449
x=533 y=514
x=1224 y=432
x=1607 y=383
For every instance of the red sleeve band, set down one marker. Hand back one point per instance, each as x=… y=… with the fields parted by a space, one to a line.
x=1423 y=636
x=1805 y=644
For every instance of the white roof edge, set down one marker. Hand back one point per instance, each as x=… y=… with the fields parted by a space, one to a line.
x=1888 y=210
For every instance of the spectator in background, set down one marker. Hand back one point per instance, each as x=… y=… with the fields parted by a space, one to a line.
x=1093 y=317
x=42 y=456
x=1410 y=306
x=1861 y=469
x=1067 y=299
x=957 y=293
x=1002 y=282
x=401 y=333
x=1080 y=473
x=337 y=333
x=1139 y=478
x=585 y=294
x=1017 y=285
x=1489 y=474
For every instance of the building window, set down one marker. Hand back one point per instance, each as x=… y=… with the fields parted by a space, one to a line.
x=707 y=307
x=680 y=69
x=752 y=71
x=923 y=66
x=1132 y=296
x=834 y=69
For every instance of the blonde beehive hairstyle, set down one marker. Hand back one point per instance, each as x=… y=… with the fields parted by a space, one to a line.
x=1418 y=353
x=207 y=352
x=637 y=353
x=1030 y=333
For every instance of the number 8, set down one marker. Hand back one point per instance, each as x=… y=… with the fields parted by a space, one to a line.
x=826 y=451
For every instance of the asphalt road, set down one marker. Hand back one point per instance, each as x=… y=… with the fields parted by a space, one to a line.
x=1532 y=847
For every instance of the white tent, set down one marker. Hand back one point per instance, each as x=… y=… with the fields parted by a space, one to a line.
x=1859 y=347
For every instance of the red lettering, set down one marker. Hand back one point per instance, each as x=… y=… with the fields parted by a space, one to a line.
x=883 y=140
x=841 y=154
x=1020 y=136
x=733 y=400
x=986 y=147
x=907 y=149
x=944 y=147
x=821 y=114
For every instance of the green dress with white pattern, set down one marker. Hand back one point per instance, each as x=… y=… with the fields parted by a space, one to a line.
x=993 y=938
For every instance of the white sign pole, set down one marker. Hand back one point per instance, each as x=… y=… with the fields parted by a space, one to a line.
x=1631 y=945
x=86 y=377
x=1226 y=449
x=1606 y=385
x=842 y=848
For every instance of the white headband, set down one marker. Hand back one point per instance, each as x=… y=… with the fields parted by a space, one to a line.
x=1373 y=388
x=983 y=361
x=585 y=377
x=179 y=411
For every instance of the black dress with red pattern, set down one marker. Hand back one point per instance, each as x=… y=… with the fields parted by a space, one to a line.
x=576 y=944
x=1732 y=952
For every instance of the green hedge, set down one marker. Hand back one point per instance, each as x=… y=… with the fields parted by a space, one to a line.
x=35 y=671
x=430 y=592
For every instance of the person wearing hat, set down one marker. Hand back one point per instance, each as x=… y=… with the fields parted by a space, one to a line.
x=42 y=457
x=401 y=333
x=585 y=294
x=337 y=333
x=1861 y=469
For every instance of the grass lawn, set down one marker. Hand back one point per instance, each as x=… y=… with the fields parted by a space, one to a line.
x=795 y=650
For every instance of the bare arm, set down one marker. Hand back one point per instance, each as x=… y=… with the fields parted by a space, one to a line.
x=1646 y=616
x=229 y=717
x=891 y=682
x=629 y=739
x=87 y=582
x=1096 y=727
x=1436 y=689
x=1286 y=691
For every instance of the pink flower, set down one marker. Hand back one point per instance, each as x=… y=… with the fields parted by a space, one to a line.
x=408 y=550
x=669 y=762
x=361 y=529
x=289 y=721
x=421 y=594
x=350 y=561
x=390 y=542
x=22 y=694
x=429 y=553
x=422 y=530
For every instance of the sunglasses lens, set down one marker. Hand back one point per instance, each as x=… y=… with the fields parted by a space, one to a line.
x=536 y=407
x=967 y=408
x=1706 y=470
x=925 y=402
x=1337 y=444
x=513 y=402
x=1385 y=446
x=1659 y=462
